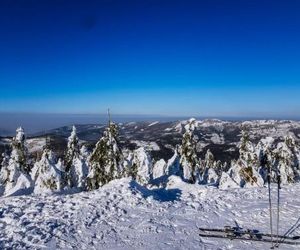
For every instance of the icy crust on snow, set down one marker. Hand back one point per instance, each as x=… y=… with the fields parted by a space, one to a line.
x=124 y=215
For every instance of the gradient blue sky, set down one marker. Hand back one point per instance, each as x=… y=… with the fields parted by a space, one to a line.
x=209 y=58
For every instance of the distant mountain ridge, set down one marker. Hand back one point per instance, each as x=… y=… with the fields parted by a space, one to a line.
x=160 y=138
x=35 y=122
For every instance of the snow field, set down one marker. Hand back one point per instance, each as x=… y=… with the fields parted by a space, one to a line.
x=124 y=215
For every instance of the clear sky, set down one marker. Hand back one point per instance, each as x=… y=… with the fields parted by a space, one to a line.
x=210 y=58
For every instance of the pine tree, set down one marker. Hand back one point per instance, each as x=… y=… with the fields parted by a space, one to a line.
x=20 y=150
x=189 y=160
x=4 y=172
x=244 y=171
x=173 y=165
x=247 y=151
x=159 y=169
x=72 y=150
x=264 y=152
x=17 y=171
x=209 y=159
x=45 y=175
x=141 y=168
x=105 y=161
x=295 y=158
x=76 y=168
x=210 y=175
x=286 y=161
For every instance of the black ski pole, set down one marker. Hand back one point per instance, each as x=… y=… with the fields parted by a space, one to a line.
x=278 y=201
x=265 y=162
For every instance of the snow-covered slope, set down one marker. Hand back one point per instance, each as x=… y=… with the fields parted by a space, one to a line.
x=124 y=215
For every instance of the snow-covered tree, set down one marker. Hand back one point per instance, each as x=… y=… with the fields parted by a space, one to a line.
x=244 y=171
x=286 y=160
x=45 y=174
x=76 y=169
x=173 y=165
x=159 y=169
x=209 y=159
x=141 y=166
x=292 y=145
x=20 y=150
x=189 y=160
x=16 y=175
x=4 y=161
x=60 y=166
x=210 y=175
x=84 y=152
x=73 y=148
x=105 y=161
x=4 y=173
x=247 y=150
x=264 y=154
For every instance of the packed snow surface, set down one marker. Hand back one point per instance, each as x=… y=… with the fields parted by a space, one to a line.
x=125 y=215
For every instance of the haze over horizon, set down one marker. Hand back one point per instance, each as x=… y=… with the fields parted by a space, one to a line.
x=170 y=58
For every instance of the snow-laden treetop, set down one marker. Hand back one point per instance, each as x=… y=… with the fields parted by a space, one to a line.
x=20 y=135
x=191 y=125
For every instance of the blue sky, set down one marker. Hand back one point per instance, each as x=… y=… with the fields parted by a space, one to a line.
x=209 y=58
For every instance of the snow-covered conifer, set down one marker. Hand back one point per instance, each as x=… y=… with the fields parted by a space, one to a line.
x=247 y=150
x=244 y=171
x=76 y=169
x=20 y=150
x=4 y=173
x=84 y=152
x=60 y=166
x=286 y=160
x=189 y=160
x=45 y=175
x=17 y=172
x=209 y=175
x=141 y=168
x=127 y=163
x=209 y=159
x=291 y=143
x=73 y=148
x=264 y=154
x=105 y=161
x=173 y=165
x=159 y=169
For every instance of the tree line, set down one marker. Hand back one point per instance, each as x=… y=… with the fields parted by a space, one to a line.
x=82 y=170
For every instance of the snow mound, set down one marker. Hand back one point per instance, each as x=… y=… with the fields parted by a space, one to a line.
x=21 y=186
x=226 y=182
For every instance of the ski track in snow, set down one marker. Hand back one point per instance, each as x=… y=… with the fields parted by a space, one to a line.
x=124 y=215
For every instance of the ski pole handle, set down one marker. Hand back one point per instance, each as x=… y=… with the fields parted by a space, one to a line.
x=279 y=181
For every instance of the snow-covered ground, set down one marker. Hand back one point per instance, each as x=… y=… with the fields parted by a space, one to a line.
x=125 y=215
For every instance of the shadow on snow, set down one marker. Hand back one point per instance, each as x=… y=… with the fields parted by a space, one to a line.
x=159 y=194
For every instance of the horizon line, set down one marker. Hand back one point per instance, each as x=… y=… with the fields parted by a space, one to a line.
x=203 y=116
